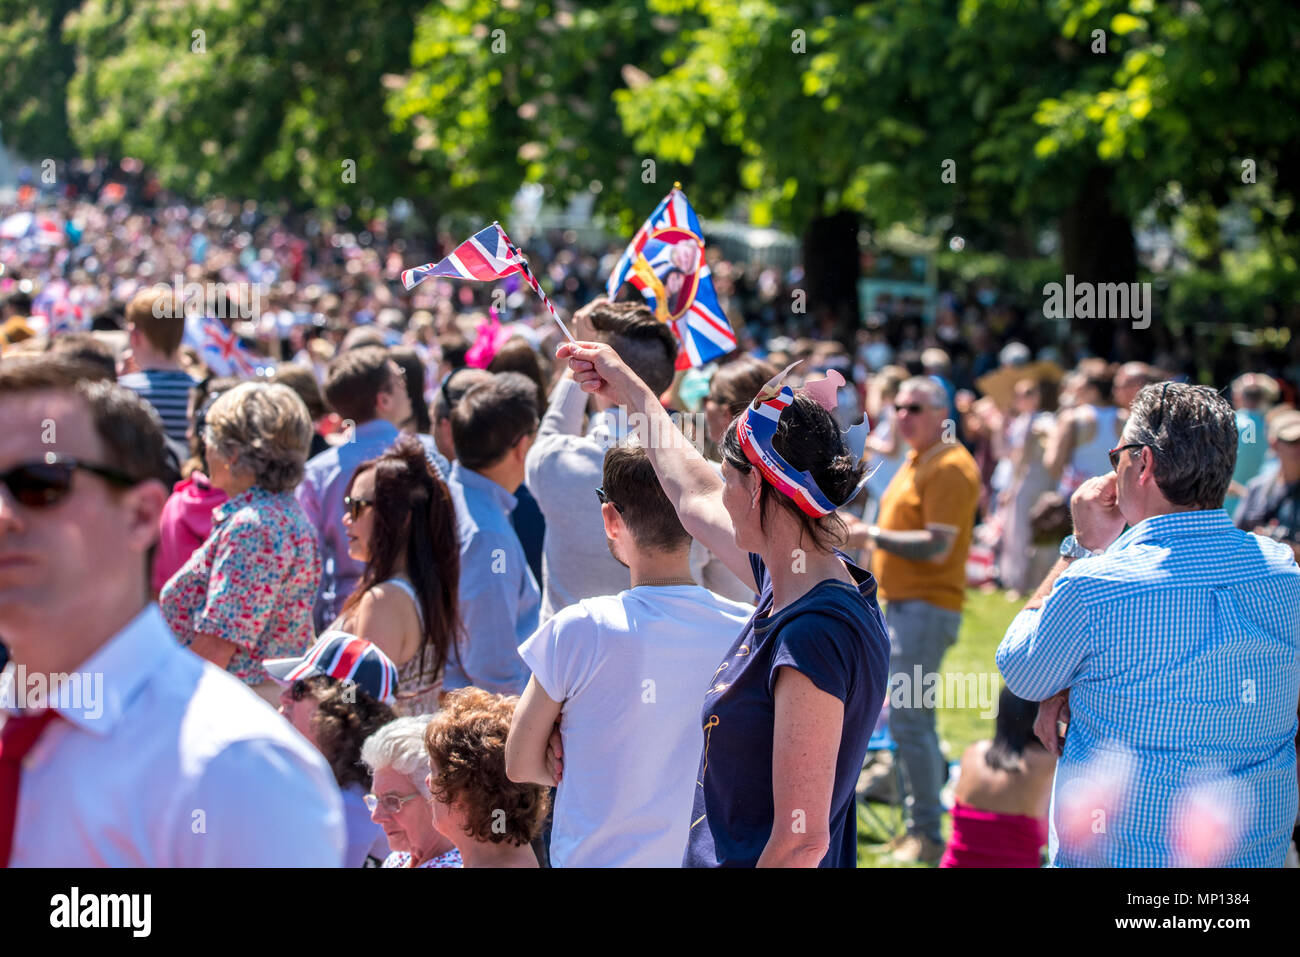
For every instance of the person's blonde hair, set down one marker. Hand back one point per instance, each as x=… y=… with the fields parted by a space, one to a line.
x=267 y=426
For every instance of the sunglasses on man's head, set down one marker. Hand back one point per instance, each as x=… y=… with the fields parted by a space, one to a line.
x=43 y=484
x=353 y=506
x=604 y=500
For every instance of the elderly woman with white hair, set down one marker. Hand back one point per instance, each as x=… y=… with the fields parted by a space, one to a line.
x=247 y=593
x=399 y=798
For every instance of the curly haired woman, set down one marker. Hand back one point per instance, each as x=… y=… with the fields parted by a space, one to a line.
x=489 y=818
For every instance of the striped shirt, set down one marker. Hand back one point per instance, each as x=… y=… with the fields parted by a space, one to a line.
x=168 y=391
x=1180 y=646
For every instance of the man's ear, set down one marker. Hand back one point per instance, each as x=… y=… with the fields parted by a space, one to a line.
x=1148 y=460
x=145 y=504
x=614 y=526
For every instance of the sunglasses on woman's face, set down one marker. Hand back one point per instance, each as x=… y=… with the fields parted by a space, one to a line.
x=353 y=506
x=47 y=483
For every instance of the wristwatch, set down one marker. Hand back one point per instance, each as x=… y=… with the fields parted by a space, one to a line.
x=1070 y=548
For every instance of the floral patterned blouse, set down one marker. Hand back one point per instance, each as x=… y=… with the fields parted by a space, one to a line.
x=403 y=859
x=252 y=582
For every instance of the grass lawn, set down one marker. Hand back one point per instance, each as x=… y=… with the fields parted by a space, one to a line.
x=984 y=622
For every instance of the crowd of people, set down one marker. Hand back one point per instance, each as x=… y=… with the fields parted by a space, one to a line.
x=506 y=621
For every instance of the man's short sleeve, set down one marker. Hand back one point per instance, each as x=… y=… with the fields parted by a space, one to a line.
x=949 y=498
x=559 y=653
x=818 y=646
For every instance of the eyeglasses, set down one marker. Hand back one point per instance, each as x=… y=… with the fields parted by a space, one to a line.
x=914 y=408
x=44 y=484
x=604 y=500
x=353 y=506
x=1113 y=454
x=392 y=803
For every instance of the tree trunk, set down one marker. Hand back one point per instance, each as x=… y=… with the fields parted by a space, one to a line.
x=831 y=267
x=1097 y=246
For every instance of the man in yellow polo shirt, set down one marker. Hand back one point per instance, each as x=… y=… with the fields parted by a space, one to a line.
x=927 y=516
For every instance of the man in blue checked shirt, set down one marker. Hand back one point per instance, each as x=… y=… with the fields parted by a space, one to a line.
x=1170 y=651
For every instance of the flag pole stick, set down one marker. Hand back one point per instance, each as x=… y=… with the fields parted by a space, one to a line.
x=536 y=286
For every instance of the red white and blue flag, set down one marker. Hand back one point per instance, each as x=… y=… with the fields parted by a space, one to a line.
x=221 y=350
x=487 y=255
x=665 y=261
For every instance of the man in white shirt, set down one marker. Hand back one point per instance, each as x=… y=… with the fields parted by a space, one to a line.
x=117 y=746
x=568 y=453
x=625 y=676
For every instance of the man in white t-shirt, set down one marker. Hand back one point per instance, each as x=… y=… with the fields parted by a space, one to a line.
x=625 y=677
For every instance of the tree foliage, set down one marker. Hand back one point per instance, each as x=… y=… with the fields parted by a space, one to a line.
x=247 y=97
x=35 y=65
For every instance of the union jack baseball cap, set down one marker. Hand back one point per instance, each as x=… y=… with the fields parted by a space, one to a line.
x=343 y=657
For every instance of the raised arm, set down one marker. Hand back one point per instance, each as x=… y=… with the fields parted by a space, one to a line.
x=689 y=481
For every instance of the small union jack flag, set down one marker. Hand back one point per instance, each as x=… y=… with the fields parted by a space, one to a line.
x=485 y=256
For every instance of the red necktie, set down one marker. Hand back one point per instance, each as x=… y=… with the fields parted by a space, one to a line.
x=19 y=735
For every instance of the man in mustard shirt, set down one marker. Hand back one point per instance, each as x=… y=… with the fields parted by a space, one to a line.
x=927 y=516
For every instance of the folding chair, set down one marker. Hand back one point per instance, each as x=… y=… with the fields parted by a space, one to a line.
x=891 y=823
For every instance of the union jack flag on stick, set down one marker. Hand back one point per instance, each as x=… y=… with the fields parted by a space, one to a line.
x=486 y=256
x=665 y=260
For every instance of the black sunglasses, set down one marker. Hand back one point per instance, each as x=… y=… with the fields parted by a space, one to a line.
x=444 y=390
x=353 y=506
x=915 y=408
x=604 y=500
x=43 y=484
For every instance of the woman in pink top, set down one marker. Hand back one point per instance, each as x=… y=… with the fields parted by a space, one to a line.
x=999 y=817
x=187 y=515
x=186 y=522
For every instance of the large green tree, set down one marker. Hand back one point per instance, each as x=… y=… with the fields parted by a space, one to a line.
x=996 y=116
x=256 y=98
x=35 y=65
x=513 y=92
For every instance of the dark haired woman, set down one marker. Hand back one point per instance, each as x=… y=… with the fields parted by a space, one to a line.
x=401 y=522
x=999 y=815
x=790 y=709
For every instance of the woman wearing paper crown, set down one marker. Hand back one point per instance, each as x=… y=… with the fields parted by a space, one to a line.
x=789 y=711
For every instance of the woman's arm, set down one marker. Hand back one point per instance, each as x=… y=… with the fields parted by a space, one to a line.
x=689 y=481
x=214 y=649
x=530 y=735
x=1060 y=447
x=805 y=746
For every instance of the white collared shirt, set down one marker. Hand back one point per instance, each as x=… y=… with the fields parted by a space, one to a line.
x=174 y=764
